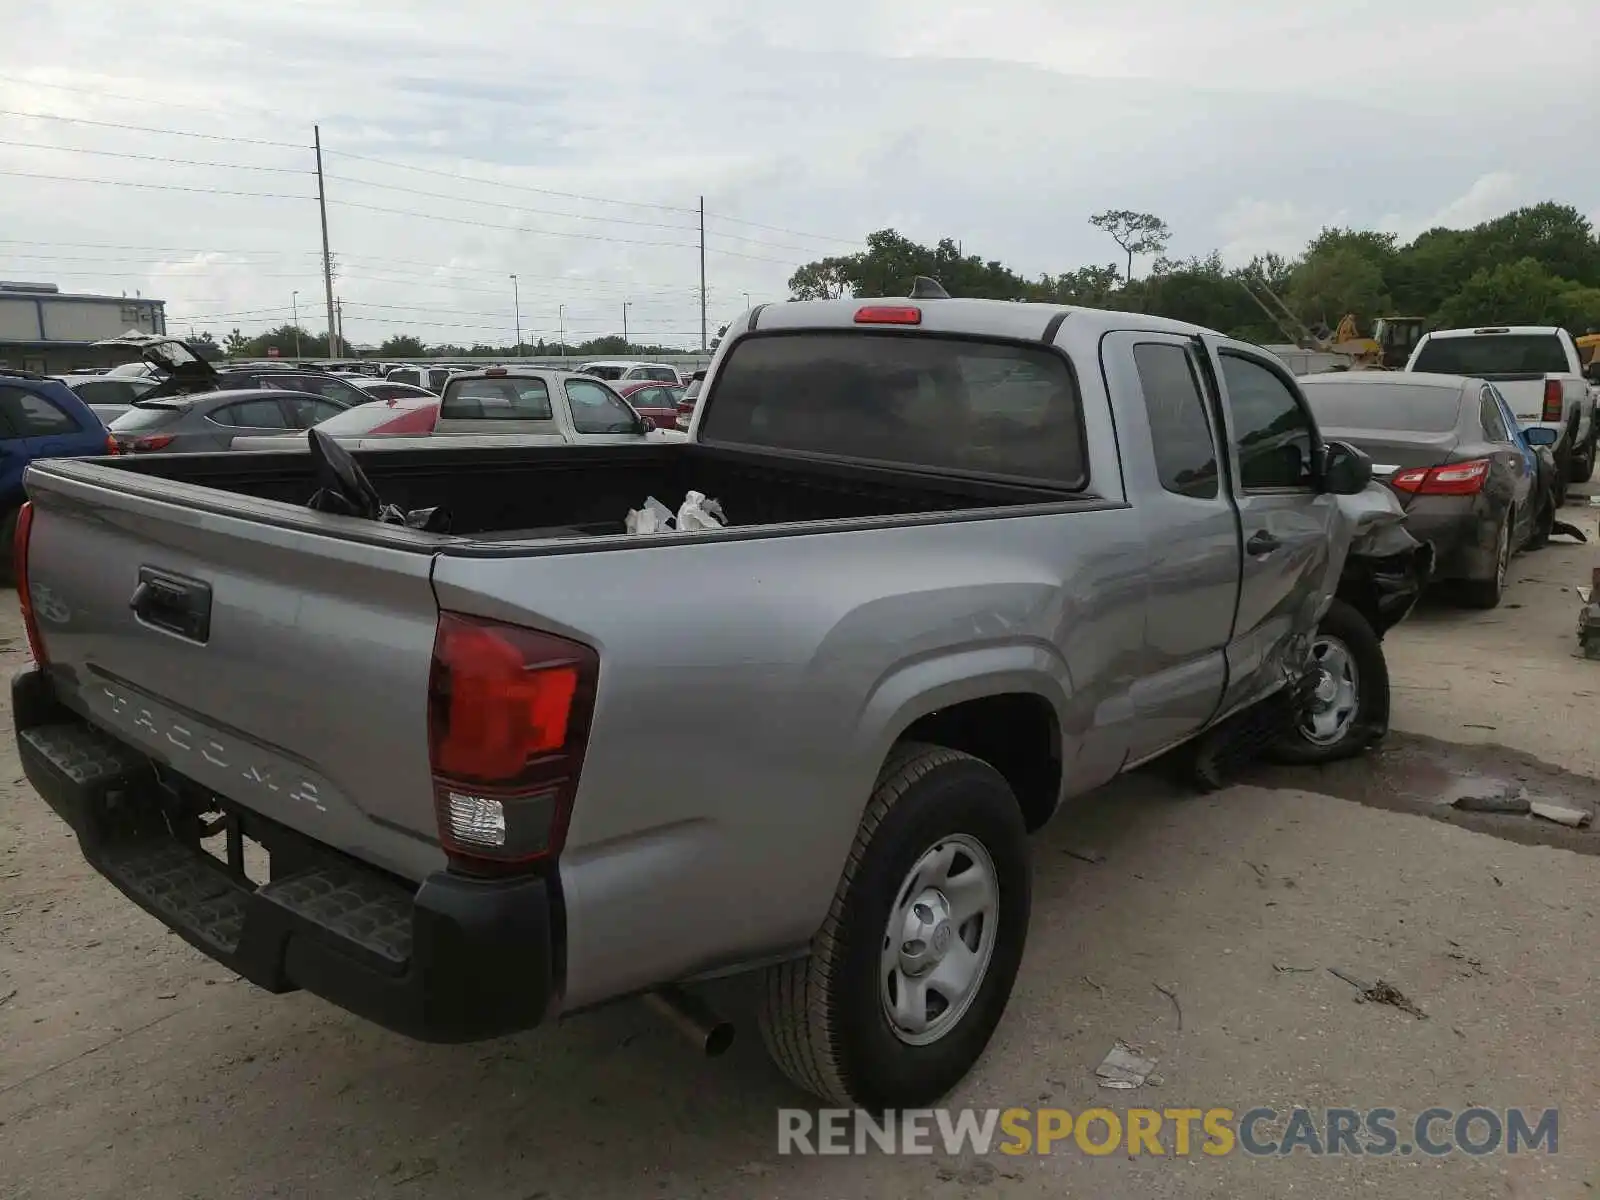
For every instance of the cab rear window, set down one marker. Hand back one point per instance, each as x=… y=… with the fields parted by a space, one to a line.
x=925 y=401
x=505 y=399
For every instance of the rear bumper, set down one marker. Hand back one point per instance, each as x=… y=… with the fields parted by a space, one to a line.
x=456 y=959
x=1463 y=538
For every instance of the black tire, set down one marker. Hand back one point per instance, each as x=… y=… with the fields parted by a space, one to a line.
x=1583 y=464
x=1369 y=720
x=823 y=1017
x=1487 y=593
x=8 y=540
x=1543 y=524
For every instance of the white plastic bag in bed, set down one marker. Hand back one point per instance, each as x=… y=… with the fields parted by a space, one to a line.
x=699 y=512
x=654 y=517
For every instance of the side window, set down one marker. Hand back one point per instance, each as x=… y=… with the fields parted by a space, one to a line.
x=1186 y=455
x=251 y=414
x=1494 y=424
x=307 y=411
x=508 y=398
x=597 y=409
x=29 y=415
x=1273 y=434
x=406 y=375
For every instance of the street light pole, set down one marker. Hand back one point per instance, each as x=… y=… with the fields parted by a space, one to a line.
x=626 y=344
x=294 y=302
x=747 y=299
x=561 y=331
x=516 y=301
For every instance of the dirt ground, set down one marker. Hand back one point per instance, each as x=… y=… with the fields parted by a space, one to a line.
x=131 y=1066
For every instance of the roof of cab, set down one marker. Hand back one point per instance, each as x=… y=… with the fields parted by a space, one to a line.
x=1388 y=379
x=993 y=318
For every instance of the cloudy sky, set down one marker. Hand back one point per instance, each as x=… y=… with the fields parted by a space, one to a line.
x=569 y=144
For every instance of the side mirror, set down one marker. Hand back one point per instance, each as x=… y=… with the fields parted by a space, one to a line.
x=1346 y=471
x=1541 y=435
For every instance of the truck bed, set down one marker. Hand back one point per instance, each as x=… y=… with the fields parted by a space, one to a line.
x=532 y=492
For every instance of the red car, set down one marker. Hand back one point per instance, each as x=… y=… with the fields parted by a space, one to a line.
x=649 y=398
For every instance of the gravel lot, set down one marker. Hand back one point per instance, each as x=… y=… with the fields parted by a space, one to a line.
x=130 y=1066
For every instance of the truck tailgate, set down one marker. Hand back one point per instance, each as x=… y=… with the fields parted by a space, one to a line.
x=285 y=669
x=1526 y=398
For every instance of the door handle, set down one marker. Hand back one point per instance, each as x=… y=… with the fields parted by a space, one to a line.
x=173 y=603
x=1262 y=542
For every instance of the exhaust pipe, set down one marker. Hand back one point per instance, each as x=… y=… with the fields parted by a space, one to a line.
x=693 y=1018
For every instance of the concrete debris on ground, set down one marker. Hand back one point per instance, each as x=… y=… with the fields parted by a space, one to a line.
x=1124 y=1068
x=1572 y=818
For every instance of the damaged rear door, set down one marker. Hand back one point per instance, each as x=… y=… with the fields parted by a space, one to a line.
x=1287 y=523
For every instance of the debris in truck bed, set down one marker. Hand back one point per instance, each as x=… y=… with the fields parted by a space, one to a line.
x=697 y=512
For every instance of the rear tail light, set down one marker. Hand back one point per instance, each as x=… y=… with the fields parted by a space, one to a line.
x=19 y=567
x=889 y=314
x=1453 y=479
x=111 y=445
x=508 y=723
x=149 y=443
x=1552 y=400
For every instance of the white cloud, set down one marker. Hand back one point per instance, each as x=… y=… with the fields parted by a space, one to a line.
x=1003 y=124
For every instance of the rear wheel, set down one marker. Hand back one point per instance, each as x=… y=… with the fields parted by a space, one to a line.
x=1487 y=593
x=1583 y=464
x=910 y=973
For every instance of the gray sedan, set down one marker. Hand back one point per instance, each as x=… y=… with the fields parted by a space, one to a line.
x=209 y=421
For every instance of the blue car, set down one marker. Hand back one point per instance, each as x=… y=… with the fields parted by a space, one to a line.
x=39 y=418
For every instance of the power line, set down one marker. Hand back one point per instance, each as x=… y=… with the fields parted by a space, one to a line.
x=543 y=212
x=160 y=158
x=210 y=137
x=520 y=187
x=821 y=237
x=160 y=187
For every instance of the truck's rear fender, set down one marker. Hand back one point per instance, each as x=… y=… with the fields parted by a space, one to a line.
x=305 y=699
x=750 y=689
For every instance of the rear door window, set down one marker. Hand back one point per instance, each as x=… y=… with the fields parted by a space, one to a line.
x=27 y=414
x=252 y=414
x=1494 y=424
x=1180 y=432
x=306 y=411
x=928 y=401
x=504 y=399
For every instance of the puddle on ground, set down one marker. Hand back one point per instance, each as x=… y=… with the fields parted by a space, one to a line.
x=1411 y=773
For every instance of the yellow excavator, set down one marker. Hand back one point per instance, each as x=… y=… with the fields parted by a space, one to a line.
x=1392 y=341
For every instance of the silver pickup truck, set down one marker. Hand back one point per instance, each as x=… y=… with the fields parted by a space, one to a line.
x=981 y=557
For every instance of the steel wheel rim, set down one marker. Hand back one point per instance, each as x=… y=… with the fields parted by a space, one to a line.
x=939 y=940
x=1337 y=697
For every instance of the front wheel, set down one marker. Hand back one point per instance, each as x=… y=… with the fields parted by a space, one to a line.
x=1349 y=705
x=1583 y=463
x=910 y=973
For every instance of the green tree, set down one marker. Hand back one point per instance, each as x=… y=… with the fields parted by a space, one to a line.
x=1135 y=232
x=234 y=344
x=825 y=279
x=1331 y=282
x=1515 y=293
x=402 y=345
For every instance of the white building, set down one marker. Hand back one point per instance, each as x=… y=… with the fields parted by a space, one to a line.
x=47 y=330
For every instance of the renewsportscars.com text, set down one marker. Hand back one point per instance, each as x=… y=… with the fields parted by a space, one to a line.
x=1179 y=1132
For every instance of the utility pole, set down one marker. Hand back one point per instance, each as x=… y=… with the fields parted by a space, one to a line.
x=294 y=302
x=516 y=303
x=702 y=270
x=747 y=299
x=561 y=330
x=627 y=345
x=327 y=259
x=338 y=308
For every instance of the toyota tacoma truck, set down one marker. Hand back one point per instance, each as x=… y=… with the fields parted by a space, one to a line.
x=980 y=558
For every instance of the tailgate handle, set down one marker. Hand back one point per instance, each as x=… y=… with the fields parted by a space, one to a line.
x=173 y=603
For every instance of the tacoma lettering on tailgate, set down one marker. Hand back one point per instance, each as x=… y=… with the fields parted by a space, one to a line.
x=205 y=754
